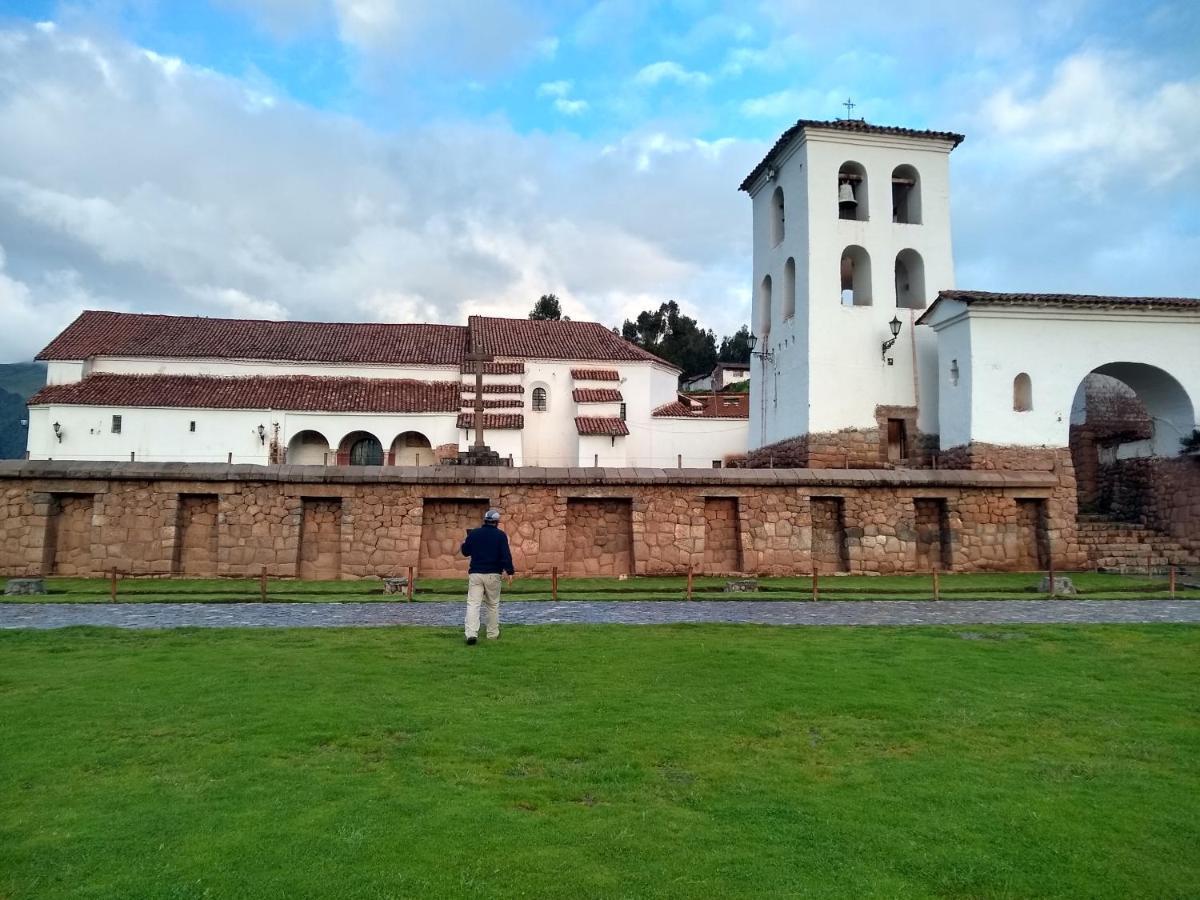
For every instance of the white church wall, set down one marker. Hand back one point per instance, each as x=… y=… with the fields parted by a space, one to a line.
x=65 y=371
x=1057 y=349
x=645 y=387
x=954 y=379
x=700 y=441
x=602 y=450
x=550 y=438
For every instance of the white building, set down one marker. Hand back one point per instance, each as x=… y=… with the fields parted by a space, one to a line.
x=164 y=388
x=852 y=243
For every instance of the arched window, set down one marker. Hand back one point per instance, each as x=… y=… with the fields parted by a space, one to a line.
x=539 y=399
x=852 y=192
x=856 y=276
x=910 y=280
x=789 y=289
x=764 y=310
x=906 y=195
x=777 y=217
x=1022 y=393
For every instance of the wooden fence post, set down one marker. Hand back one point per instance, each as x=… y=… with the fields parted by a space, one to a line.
x=937 y=591
x=1050 y=560
x=554 y=582
x=409 y=590
x=689 y=584
x=1171 y=581
x=262 y=584
x=112 y=585
x=815 y=590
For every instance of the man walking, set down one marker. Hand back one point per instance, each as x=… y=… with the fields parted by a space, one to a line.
x=488 y=549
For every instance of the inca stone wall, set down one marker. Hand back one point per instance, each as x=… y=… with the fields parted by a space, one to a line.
x=932 y=534
x=147 y=519
x=722 y=536
x=197 y=544
x=71 y=530
x=444 y=527
x=320 y=539
x=599 y=537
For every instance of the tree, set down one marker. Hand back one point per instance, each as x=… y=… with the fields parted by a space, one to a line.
x=735 y=348
x=547 y=308
x=673 y=337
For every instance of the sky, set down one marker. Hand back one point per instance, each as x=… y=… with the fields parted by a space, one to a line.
x=397 y=160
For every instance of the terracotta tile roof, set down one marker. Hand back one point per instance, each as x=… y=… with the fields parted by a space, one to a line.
x=501 y=421
x=596 y=395
x=595 y=375
x=495 y=404
x=674 y=410
x=1065 y=301
x=494 y=388
x=289 y=392
x=98 y=333
x=602 y=425
x=549 y=339
x=495 y=368
x=856 y=126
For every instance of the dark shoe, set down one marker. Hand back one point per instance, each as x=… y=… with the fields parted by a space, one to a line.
x=472 y=640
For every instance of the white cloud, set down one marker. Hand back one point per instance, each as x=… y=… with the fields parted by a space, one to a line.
x=571 y=107
x=554 y=89
x=658 y=72
x=165 y=191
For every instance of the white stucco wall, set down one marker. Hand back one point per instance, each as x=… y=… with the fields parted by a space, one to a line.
x=700 y=441
x=828 y=372
x=1153 y=352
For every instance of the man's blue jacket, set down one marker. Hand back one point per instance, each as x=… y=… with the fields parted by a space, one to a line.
x=488 y=549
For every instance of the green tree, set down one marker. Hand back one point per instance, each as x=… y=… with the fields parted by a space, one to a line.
x=735 y=348
x=547 y=307
x=673 y=337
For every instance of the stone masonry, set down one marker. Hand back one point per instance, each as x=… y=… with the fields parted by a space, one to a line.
x=147 y=519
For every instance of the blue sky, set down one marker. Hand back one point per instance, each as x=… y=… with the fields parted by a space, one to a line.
x=390 y=159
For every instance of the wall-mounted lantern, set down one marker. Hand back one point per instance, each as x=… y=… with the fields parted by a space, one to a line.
x=262 y=434
x=894 y=325
x=58 y=432
x=764 y=355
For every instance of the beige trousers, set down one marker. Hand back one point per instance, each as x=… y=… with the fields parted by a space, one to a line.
x=483 y=589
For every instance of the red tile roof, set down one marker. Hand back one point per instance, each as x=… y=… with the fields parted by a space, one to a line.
x=595 y=375
x=495 y=368
x=492 y=420
x=494 y=388
x=674 y=410
x=97 y=333
x=1066 y=301
x=857 y=126
x=602 y=425
x=596 y=395
x=495 y=404
x=289 y=392
x=550 y=339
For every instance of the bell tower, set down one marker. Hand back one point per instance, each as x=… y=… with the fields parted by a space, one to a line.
x=851 y=241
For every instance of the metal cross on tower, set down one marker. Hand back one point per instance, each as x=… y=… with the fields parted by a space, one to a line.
x=849 y=104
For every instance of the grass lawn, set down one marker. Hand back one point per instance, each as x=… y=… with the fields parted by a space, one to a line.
x=1013 y=586
x=706 y=762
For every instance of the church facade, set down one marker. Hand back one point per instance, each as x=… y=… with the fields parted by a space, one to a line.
x=128 y=387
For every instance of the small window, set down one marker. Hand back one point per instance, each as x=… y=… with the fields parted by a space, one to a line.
x=622 y=412
x=716 y=464
x=539 y=399
x=192 y=425
x=116 y=424
x=1022 y=393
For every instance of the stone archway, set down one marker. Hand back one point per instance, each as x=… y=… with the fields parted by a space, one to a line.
x=1124 y=416
x=308 y=448
x=411 y=448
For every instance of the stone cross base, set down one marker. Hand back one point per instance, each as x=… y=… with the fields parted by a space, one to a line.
x=478 y=456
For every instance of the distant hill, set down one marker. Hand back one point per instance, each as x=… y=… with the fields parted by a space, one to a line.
x=18 y=382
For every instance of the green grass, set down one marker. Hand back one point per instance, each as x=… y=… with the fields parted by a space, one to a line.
x=601 y=762
x=1017 y=586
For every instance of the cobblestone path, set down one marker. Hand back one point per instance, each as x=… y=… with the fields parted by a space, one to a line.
x=630 y=612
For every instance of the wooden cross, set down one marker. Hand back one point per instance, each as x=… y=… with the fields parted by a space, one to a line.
x=479 y=358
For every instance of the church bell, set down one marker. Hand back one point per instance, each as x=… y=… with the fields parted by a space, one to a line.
x=846 y=194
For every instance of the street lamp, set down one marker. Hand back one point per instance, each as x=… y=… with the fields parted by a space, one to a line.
x=894 y=325
x=752 y=342
x=58 y=432
x=262 y=434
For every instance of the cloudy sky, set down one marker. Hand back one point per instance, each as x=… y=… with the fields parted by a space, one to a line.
x=405 y=160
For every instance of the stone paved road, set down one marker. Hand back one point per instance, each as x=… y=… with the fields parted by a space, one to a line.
x=631 y=612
